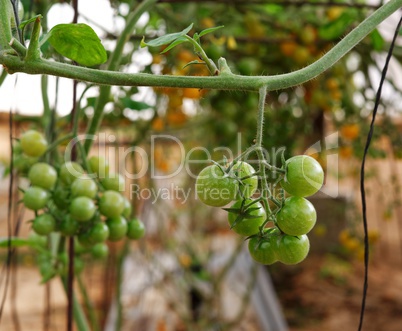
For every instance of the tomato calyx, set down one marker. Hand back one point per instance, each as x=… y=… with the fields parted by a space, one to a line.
x=244 y=212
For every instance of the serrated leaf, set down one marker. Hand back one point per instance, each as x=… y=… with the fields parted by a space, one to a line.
x=166 y=39
x=79 y=43
x=336 y=28
x=178 y=41
x=377 y=41
x=136 y=105
x=209 y=30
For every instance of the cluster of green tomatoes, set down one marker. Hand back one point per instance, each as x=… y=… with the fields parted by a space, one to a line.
x=276 y=228
x=67 y=199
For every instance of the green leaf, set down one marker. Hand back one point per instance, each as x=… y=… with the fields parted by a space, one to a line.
x=209 y=30
x=377 y=41
x=178 y=41
x=23 y=24
x=166 y=39
x=336 y=28
x=79 y=43
x=16 y=242
x=136 y=105
x=194 y=62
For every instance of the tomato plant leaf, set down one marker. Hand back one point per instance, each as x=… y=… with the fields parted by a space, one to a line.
x=193 y=62
x=166 y=39
x=79 y=43
x=178 y=41
x=23 y=24
x=209 y=30
x=336 y=28
x=14 y=242
x=136 y=105
x=377 y=41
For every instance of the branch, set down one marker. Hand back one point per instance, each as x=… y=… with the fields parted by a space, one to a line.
x=223 y=82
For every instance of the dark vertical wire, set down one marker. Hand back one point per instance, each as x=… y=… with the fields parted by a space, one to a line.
x=362 y=186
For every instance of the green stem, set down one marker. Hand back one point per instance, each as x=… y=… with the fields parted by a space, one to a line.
x=266 y=192
x=5 y=24
x=89 y=305
x=58 y=141
x=79 y=316
x=210 y=64
x=113 y=64
x=221 y=82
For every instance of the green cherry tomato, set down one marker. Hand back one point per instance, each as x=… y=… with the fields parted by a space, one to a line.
x=117 y=228
x=70 y=171
x=114 y=182
x=296 y=217
x=100 y=251
x=111 y=204
x=60 y=197
x=84 y=187
x=248 y=186
x=214 y=187
x=98 y=233
x=69 y=226
x=98 y=165
x=291 y=249
x=128 y=209
x=33 y=143
x=43 y=175
x=35 y=198
x=304 y=176
x=82 y=209
x=249 y=220
x=263 y=250
x=44 y=224
x=135 y=229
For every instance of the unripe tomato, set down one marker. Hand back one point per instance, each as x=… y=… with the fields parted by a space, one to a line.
x=248 y=186
x=214 y=187
x=114 y=182
x=99 y=165
x=44 y=224
x=42 y=175
x=82 y=209
x=35 y=198
x=69 y=172
x=304 y=176
x=263 y=250
x=254 y=216
x=100 y=251
x=117 y=228
x=135 y=229
x=84 y=187
x=33 y=143
x=292 y=250
x=296 y=217
x=98 y=233
x=111 y=204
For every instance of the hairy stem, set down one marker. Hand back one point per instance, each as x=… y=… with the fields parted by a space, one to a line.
x=222 y=82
